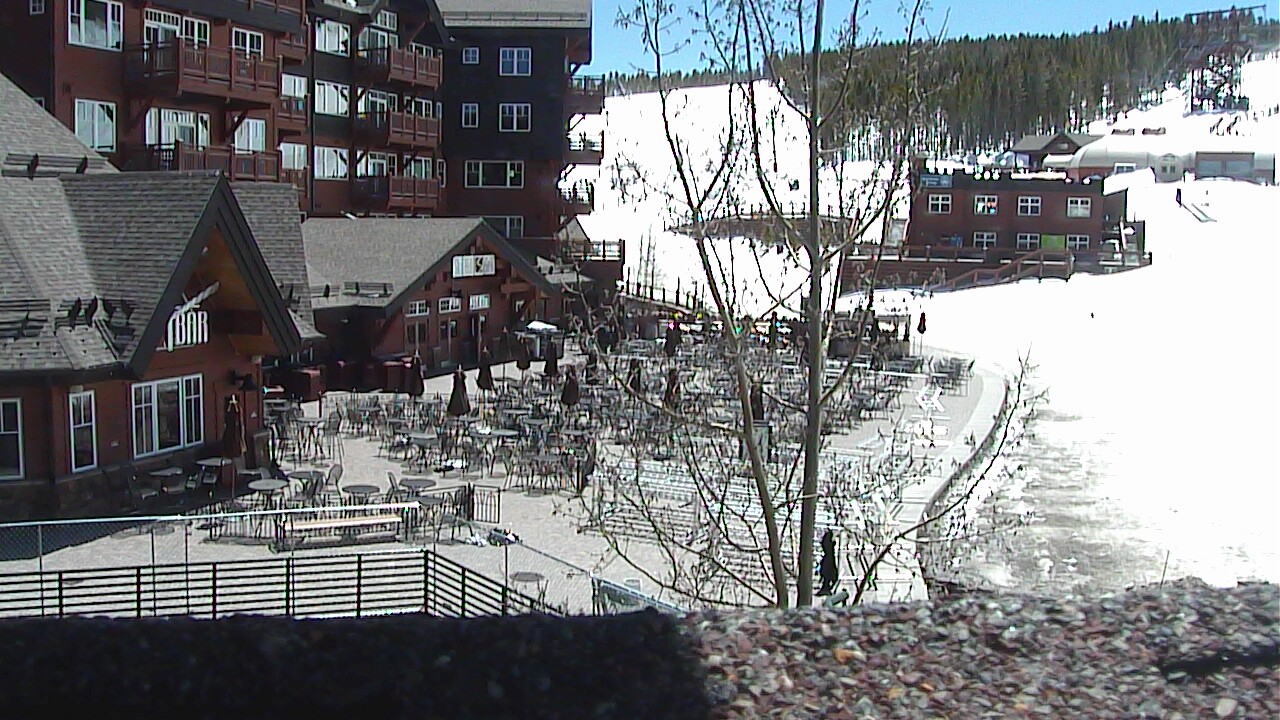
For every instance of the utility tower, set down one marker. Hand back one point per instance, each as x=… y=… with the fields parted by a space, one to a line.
x=1215 y=44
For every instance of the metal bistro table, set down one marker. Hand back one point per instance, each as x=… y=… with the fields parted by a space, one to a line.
x=360 y=492
x=417 y=484
x=212 y=468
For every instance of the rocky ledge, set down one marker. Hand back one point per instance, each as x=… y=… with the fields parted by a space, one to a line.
x=1183 y=651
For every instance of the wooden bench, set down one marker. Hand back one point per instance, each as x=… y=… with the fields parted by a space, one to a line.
x=340 y=529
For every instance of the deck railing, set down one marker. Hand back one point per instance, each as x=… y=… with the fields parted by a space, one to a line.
x=176 y=66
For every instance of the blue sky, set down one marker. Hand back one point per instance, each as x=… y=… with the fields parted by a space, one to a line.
x=616 y=49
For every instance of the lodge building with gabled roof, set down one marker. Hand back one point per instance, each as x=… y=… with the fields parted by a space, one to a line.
x=132 y=305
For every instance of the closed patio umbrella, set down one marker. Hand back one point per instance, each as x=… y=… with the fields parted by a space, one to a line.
x=634 y=380
x=484 y=379
x=921 y=327
x=233 y=444
x=459 y=403
x=523 y=360
x=551 y=368
x=592 y=369
x=671 y=397
x=571 y=393
x=672 y=345
x=413 y=384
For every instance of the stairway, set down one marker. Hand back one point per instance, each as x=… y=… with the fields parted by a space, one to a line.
x=1040 y=263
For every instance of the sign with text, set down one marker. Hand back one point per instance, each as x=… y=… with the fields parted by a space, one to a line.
x=189 y=325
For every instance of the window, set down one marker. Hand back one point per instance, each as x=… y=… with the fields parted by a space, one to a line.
x=422 y=107
x=331 y=98
x=333 y=38
x=11 y=438
x=159 y=26
x=474 y=265
x=507 y=174
x=985 y=204
x=330 y=163
x=420 y=49
x=167 y=415
x=96 y=124
x=449 y=305
x=418 y=167
x=293 y=156
x=195 y=32
x=1078 y=207
x=95 y=23
x=376 y=102
x=165 y=127
x=1121 y=168
x=441 y=167
x=84 y=431
x=376 y=164
x=514 y=61
x=984 y=240
x=1029 y=205
x=415 y=334
x=386 y=19
x=247 y=42
x=513 y=117
x=1077 y=242
x=251 y=136
x=1028 y=241
x=508 y=226
x=294 y=86
x=35 y=7
x=470 y=115
x=940 y=204
x=417 y=308
x=471 y=56
x=372 y=37
x=478 y=302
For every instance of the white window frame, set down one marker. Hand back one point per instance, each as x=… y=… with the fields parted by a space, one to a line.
x=984 y=239
x=515 y=62
x=939 y=203
x=1079 y=207
x=162 y=125
x=22 y=451
x=374 y=38
x=330 y=163
x=293 y=156
x=77 y=419
x=251 y=136
x=442 y=168
x=188 y=436
x=89 y=135
x=984 y=203
x=479 y=301
x=417 y=308
x=1028 y=241
x=483 y=265
x=195 y=31
x=294 y=86
x=508 y=226
x=418 y=167
x=515 y=117
x=35 y=7
x=470 y=115
x=249 y=42
x=1121 y=168
x=387 y=19
x=1078 y=242
x=470 y=56
x=333 y=37
x=450 y=304
x=114 y=36
x=478 y=167
x=332 y=99
x=1029 y=205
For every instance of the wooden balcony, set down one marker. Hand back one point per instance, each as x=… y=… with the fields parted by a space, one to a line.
x=396 y=193
x=291 y=115
x=176 y=68
x=179 y=156
x=578 y=200
x=391 y=128
x=297 y=178
x=585 y=96
x=584 y=150
x=394 y=65
x=292 y=47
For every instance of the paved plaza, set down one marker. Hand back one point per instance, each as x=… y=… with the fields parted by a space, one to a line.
x=557 y=555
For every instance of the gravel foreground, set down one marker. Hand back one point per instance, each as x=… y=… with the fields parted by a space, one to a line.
x=1187 y=651
x=1184 y=651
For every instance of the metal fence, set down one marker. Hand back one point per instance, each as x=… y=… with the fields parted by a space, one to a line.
x=360 y=584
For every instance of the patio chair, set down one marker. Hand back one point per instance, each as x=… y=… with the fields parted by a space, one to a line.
x=143 y=496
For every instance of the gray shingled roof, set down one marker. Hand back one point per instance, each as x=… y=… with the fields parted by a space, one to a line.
x=271 y=209
x=27 y=129
x=395 y=252
x=516 y=13
x=1037 y=143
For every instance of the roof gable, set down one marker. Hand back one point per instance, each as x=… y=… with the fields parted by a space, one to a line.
x=27 y=130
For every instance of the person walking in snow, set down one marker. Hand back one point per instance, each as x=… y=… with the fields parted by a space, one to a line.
x=828 y=569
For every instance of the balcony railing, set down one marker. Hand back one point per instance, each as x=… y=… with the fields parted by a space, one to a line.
x=390 y=64
x=579 y=199
x=181 y=156
x=389 y=127
x=396 y=192
x=585 y=96
x=175 y=67
x=291 y=114
x=584 y=150
x=293 y=47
